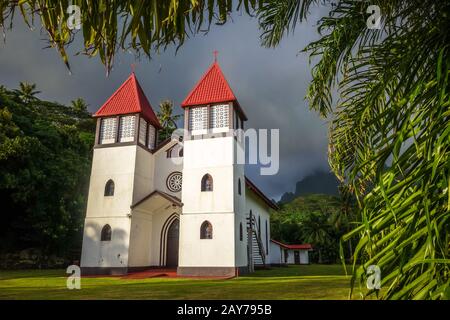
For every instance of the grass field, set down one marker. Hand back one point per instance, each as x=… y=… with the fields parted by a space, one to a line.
x=293 y=282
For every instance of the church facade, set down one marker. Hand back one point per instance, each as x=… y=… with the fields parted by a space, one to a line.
x=182 y=203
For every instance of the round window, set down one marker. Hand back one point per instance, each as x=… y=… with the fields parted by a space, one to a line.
x=174 y=181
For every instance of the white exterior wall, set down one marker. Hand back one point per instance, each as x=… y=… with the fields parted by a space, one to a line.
x=215 y=252
x=304 y=257
x=118 y=164
x=164 y=167
x=276 y=254
x=140 y=240
x=240 y=209
x=144 y=174
x=241 y=214
x=290 y=257
x=215 y=157
x=112 y=253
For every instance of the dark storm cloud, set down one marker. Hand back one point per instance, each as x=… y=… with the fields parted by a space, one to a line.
x=269 y=83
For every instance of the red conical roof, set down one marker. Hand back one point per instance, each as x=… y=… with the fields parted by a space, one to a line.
x=212 y=88
x=128 y=99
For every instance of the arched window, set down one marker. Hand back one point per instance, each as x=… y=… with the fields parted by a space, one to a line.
x=241 y=233
x=106 y=233
x=206 y=230
x=239 y=186
x=109 y=188
x=207 y=183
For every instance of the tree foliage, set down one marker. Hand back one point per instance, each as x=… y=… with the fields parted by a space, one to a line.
x=45 y=156
x=167 y=119
x=112 y=25
x=27 y=92
x=390 y=133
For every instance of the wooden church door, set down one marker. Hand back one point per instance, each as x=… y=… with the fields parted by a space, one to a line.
x=172 y=244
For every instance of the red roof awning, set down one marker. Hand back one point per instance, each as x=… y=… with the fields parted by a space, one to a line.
x=305 y=246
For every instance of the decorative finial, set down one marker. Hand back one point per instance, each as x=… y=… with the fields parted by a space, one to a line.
x=132 y=67
x=215 y=52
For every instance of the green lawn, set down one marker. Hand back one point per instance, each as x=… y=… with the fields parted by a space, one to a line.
x=293 y=282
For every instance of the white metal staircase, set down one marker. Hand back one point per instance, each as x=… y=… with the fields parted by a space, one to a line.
x=257 y=252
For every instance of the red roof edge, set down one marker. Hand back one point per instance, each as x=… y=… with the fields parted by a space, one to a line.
x=260 y=194
x=151 y=114
x=306 y=246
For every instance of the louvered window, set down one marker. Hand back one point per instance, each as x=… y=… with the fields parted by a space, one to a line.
x=198 y=118
x=219 y=116
x=126 y=128
x=151 y=136
x=108 y=130
x=142 y=131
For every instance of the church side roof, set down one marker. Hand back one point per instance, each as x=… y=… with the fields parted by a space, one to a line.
x=129 y=98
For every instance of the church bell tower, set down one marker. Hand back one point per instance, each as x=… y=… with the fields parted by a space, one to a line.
x=125 y=137
x=212 y=240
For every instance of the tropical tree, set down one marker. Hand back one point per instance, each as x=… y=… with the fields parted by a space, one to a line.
x=167 y=119
x=79 y=105
x=27 y=92
x=385 y=90
x=316 y=230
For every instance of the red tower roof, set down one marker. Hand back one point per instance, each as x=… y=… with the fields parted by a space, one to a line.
x=129 y=99
x=212 y=88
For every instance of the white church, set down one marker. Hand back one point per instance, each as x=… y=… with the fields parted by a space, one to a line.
x=182 y=203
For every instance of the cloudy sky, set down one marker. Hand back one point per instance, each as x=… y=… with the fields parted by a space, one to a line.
x=270 y=84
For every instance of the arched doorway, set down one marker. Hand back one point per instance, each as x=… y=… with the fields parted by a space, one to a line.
x=172 y=244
